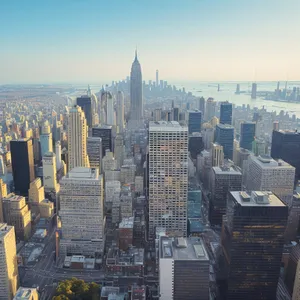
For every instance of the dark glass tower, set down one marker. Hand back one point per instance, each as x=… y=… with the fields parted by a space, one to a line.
x=226 y=113
x=224 y=137
x=85 y=103
x=247 y=135
x=252 y=241
x=22 y=164
x=286 y=146
x=195 y=119
x=136 y=92
x=105 y=133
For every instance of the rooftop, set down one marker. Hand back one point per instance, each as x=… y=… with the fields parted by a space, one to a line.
x=225 y=126
x=25 y=293
x=257 y=198
x=13 y=197
x=166 y=126
x=182 y=249
x=266 y=161
x=226 y=170
x=80 y=173
x=127 y=222
x=4 y=229
x=103 y=126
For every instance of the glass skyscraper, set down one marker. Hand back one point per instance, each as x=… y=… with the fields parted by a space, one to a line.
x=247 y=135
x=195 y=119
x=224 y=137
x=226 y=113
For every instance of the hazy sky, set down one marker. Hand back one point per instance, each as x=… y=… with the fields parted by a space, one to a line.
x=187 y=40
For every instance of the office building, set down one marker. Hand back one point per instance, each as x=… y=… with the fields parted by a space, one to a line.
x=49 y=172
x=94 y=151
x=291 y=269
x=226 y=113
x=296 y=289
x=183 y=269
x=120 y=111
x=22 y=164
x=110 y=111
x=77 y=139
x=46 y=139
x=224 y=136
x=26 y=294
x=223 y=179
x=286 y=146
x=81 y=212
x=254 y=90
x=136 y=94
x=16 y=213
x=196 y=145
x=265 y=174
x=202 y=105
x=85 y=103
x=210 y=109
x=119 y=150
x=217 y=155
x=108 y=162
x=127 y=173
x=9 y=280
x=247 y=135
x=195 y=119
x=259 y=147
x=106 y=134
x=208 y=134
x=156 y=79
x=252 y=241
x=58 y=155
x=168 y=177
x=3 y=193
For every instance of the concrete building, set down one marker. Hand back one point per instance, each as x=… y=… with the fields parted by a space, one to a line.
x=112 y=191
x=139 y=184
x=16 y=213
x=183 y=269
x=126 y=233
x=8 y=261
x=109 y=162
x=3 y=194
x=58 y=155
x=119 y=150
x=81 y=212
x=49 y=172
x=217 y=155
x=94 y=150
x=266 y=174
x=26 y=294
x=77 y=139
x=168 y=177
x=210 y=109
x=110 y=111
x=120 y=111
x=46 y=139
x=128 y=173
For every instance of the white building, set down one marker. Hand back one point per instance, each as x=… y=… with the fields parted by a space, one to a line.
x=110 y=112
x=81 y=212
x=108 y=162
x=77 y=136
x=58 y=155
x=168 y=177
x=49 y=172
x=217 y=155
x=263 y=173
x=46 y=139
x=120 y=111
x=8 y=262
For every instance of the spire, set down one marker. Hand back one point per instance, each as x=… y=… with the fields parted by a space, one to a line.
x=135 y=59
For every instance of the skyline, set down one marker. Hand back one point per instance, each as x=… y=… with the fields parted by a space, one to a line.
x=88 y=41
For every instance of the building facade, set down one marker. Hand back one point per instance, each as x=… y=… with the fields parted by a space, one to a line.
x=224 y=136
x=226 y=113
x=247 y=135
x=195 y=120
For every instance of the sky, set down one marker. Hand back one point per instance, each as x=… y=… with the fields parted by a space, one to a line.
x=93 y=41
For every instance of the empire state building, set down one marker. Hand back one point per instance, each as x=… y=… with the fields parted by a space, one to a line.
x=136 y=94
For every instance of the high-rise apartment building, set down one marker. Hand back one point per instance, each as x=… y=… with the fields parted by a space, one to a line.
x=265 y=174
x=85 y=102
x=223 y=179
x=224 y=136
x=247 y=135
x=195 y=119
x=8 y=263
x=183 y=269
x=286 y=146
x=226 y=113
x=49 y=172
x=120 y=111
x=94 y=150
x=77 y=137
x=46 y=139
x=252 y=241
x=22 y=164
x=168 y=177
x=106 y=134
x=81 y=212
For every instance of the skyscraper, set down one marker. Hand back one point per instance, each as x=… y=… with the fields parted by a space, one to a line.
x=252 y=241
x=286 y=146
x=110 y=111
x=77 y=135
x=210 y=109
x=157 y=81
x=120 y=111
x=136 y=94
x=94 y=150
x=106 y=134
x=217 y=155
x=254 y=90
x=82 y=218
x=168 y=177
x=49 y=172
x=46 y=139
x=8 y=262
x=225 y=136
x=119 y=150
x=226 y=113
x=195 y=119
x=202 y=106
x=22 y=164
x=247 y=135
x=85 y=102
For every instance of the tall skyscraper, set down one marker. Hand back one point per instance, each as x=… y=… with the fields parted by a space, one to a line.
x=120 y=111
x=119 y=150
x=210 y=109
x=136 y=93
x=253 y=90
x=226 y=113
x=183 y=269
x=49 y=172
x=94 y=150
x=85 y=102
x=110 y=111
x=77 y=136
x=223 y=180
x=81 y=212
x=22 y=164
x=202 y=106
x=217 y=155
x=252 y=241
x=195 y=119
x=106 y=134
x=265 y=174
x=168 y=177
x=247 y=135
x=224 y=136
x=58 y=155
x=286 y=146
x=46 y=139
x=8 y=262
x=157 y=81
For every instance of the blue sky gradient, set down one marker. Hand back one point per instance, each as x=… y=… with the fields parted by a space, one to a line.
x=187 y=40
